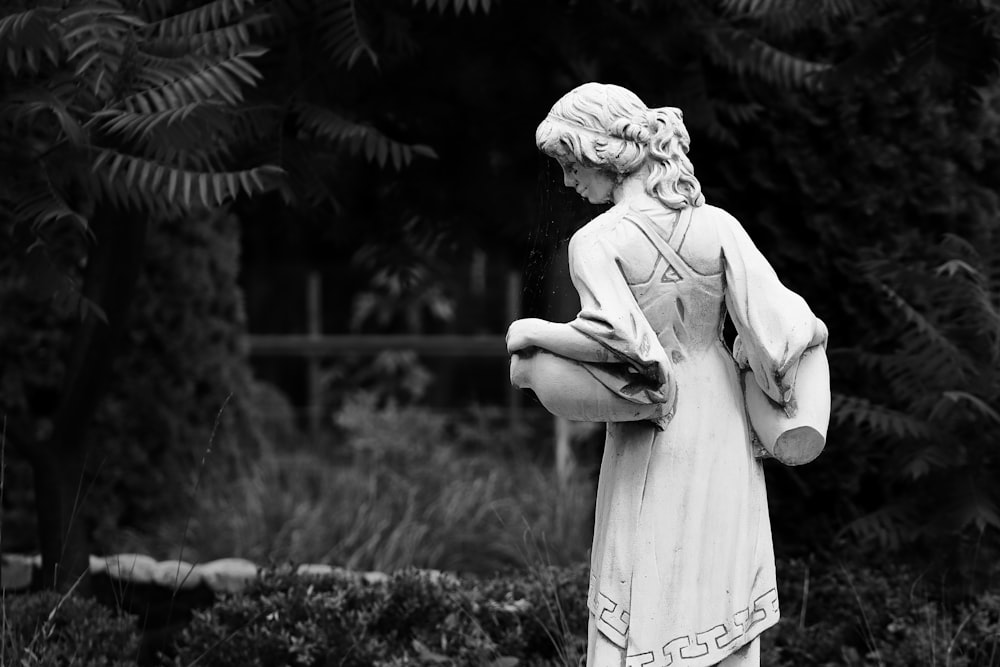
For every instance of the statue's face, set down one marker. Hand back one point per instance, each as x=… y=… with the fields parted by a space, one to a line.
x=594 y=185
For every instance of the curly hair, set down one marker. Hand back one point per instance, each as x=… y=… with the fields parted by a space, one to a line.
x=607 y=127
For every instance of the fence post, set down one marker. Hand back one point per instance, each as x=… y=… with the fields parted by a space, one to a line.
x=314 y=324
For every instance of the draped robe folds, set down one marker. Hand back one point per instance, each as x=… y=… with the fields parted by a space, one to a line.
x=682 y=569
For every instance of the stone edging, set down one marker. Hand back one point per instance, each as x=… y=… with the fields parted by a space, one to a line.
x=226 y=575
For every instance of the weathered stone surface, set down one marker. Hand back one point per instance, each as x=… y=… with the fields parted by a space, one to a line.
x=682 y=563
x=177 y=574
x=315 y=570
x=228 y=575
x=136 y=568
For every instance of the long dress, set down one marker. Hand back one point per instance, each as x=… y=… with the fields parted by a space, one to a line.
x=682 y=569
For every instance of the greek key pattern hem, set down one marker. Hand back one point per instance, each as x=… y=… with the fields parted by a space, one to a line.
x=701 y=648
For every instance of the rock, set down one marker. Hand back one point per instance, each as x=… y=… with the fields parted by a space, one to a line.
x=136 y=568
x=177 y=574
x=227 y=575
x=315 y=570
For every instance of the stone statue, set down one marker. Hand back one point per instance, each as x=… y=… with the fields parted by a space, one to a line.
x=682 y=567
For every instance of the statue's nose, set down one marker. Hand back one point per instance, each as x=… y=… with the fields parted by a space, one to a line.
x=568 y=181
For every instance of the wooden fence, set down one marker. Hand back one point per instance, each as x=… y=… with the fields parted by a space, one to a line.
x=315 y=346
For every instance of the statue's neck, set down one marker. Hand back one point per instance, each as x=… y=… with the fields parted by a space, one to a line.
x=632 y=188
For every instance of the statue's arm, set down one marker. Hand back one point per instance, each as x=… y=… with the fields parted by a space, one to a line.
x=775 y=325
x=563 y=339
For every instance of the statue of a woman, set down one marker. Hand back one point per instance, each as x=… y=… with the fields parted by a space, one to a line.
x=682 y=567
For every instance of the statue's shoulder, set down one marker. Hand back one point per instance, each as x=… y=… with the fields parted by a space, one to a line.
x=702 y=245
x=713 y=217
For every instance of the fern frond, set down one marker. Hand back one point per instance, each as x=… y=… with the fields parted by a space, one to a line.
x=208 y=17
x=456 y=5
x=739 y=112
x=885 y=526
x=226 y=39
x=930 y=332
x=140 y=126
x=798 y=11
x=145 y=184
x=96 y=37
x=920 y=462
x=27 y=106
x=344 y=37
x=879 y=419
x=359 y=137
x=197 y=80
x=152 y=11
x=27 y=36
x=44 y=205
x=975 y=403
x=198 y=136
x=743 y=53
x=978 y=510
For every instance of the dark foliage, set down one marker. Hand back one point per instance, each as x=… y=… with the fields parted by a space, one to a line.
x=47 y=629
x=176 y=369
x=833 y=615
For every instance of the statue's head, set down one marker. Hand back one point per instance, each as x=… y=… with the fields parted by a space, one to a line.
x=608 y=128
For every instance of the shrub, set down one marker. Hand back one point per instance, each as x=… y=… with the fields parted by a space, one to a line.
x=180 y=359
x=416 y=618
x=885 y=616
x=879 y=614
x=47 y=629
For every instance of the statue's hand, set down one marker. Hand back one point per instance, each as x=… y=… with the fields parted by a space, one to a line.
x=740 y=354
x=522 y=334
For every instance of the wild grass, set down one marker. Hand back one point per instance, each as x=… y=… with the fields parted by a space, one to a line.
x=402 y=488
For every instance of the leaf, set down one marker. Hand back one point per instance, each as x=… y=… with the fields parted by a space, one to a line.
x=225 y=39
x=26 y=36
x=953 y=267
x=978 y=404
x=880 y=419
x=196 y=80
x=42 y=206
x=920 y=462
x=139 y=126
x=38 y=100
x=455 y=5
x=326 y=124
x=428 y=655
x=149 y=185
x=343 y=35
x=96 y=36
x=886 y=526
x=743 y=53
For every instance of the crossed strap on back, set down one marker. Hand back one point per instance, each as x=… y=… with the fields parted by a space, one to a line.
x=670 y=248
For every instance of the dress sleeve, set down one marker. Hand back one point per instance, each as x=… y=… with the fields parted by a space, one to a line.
x=775 y=325
x=638 y=368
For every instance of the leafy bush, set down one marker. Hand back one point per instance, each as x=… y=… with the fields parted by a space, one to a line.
x=832 y=616
x=179 y=362
x=183 y=357
x=47 y=629
x=416 y=618
x=879 y=614
x=930 y=411
x=869 y=616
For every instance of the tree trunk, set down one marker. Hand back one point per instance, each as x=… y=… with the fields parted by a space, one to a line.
x=59 y=463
